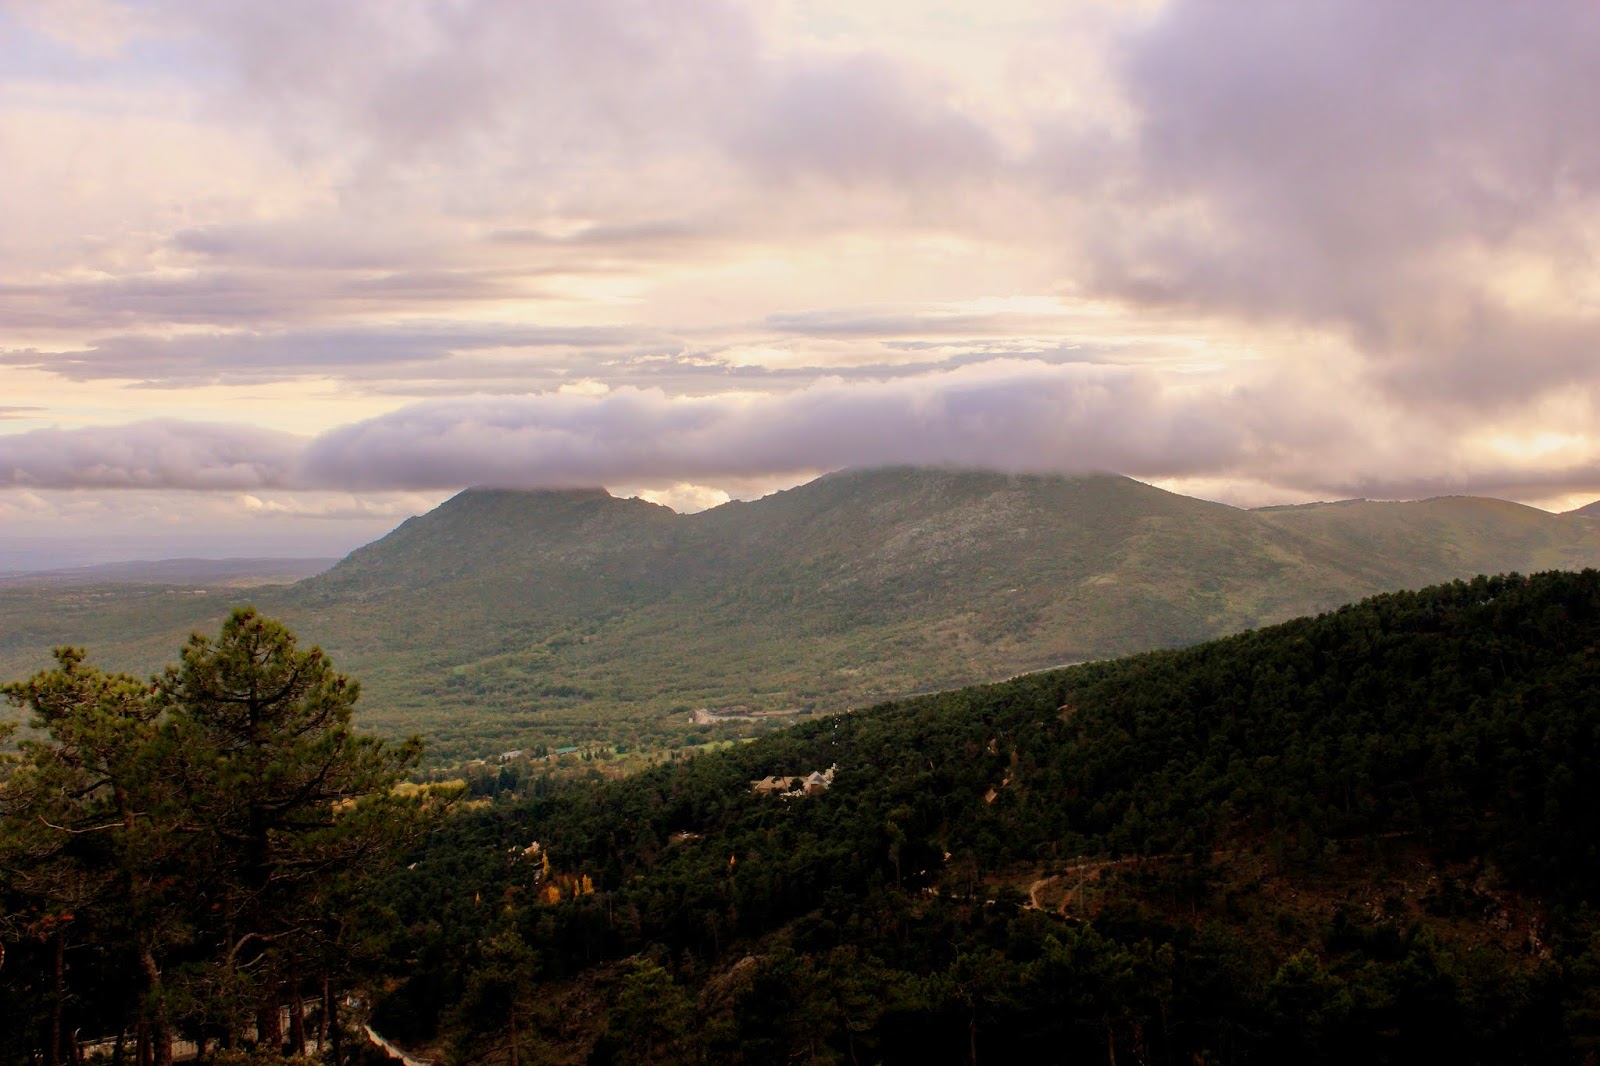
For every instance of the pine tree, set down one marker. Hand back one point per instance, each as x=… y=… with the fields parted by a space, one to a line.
x=210 y=827
x=283 y=795
x=90 y=843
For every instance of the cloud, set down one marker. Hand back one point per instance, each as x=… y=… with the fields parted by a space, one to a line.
x=551 y=90
x=1013 y=414
x=1009 y=414
x=258 y=294
x=861 y=118
x=648 y=237
x=464 y=358
x=242 y=356
x=390 y=507
x=164 y=454
x=96 y=29
x=1336 y=246
x=686 y=498
x=891 y=322
x=1277 y=432
x=13 y=412
x=1422 y=176
x=440 y=79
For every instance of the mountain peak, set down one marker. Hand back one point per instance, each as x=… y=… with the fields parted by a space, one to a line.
x=528 y=616
x=583 y=492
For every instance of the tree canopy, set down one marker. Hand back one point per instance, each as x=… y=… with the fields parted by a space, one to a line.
x=1364 y=836
x=181 y=856
x=1359 y=837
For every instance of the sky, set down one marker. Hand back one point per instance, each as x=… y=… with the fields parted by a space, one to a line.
x=277 y=274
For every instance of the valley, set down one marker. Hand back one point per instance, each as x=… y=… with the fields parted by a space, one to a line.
x=507 y=620
x=1358 y=835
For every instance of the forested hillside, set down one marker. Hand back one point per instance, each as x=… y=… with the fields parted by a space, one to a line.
x=1364 y=836
x=513 y=619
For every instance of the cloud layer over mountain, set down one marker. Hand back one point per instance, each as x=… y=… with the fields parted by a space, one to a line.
x=1256 y=249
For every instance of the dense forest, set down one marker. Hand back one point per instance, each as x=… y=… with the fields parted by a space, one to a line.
x=1363 y=836
x=184 y=859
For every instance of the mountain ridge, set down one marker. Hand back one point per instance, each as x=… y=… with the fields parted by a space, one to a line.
x=505 y=618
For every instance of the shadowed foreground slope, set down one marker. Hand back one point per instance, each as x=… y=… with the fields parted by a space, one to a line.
x=1360 y=837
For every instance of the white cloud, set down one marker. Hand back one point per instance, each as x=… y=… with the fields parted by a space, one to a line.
x=683 y=497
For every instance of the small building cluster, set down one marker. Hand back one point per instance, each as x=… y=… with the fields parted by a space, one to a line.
x=809 y=785
x=552 y=886
x=535 y=854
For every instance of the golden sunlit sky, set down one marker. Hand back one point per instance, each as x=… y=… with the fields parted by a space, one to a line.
x=276 y=275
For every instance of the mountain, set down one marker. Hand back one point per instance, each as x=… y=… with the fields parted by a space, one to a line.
x=1588 y=510
x=503 y=619
x=1361 y=837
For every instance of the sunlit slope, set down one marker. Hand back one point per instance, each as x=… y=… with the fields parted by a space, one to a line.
x=490 y=570
x=504 y=618
x=1438 y=538
x=855 y=587
x=574 y=614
